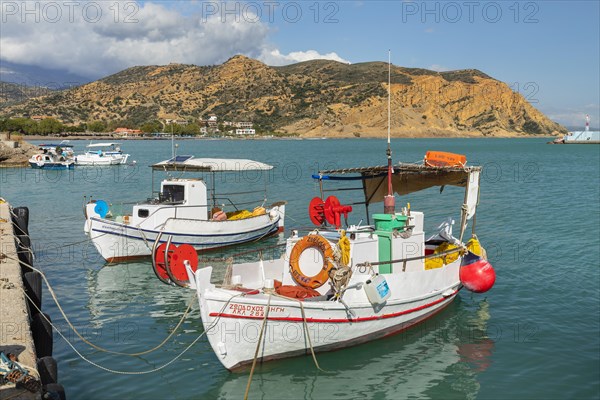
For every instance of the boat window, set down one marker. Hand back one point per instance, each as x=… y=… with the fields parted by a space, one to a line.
x=143 y=213
x=173 y=193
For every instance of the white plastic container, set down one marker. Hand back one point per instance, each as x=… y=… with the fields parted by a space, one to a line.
x=377 y=289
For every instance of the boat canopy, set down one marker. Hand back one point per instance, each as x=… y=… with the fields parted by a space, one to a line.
x=407 y=178
x=102 y=144
x=52 y=146
x=410 y=178
x=191 y=164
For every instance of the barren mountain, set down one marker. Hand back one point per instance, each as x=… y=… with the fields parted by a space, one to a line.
x=311 y=98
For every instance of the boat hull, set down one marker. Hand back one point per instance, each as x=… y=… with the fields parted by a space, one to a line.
x=117 y=241
x=52 y=165
x=234 y=324
x=106 y=160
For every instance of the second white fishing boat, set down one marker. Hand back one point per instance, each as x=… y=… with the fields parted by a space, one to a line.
x=186 y=210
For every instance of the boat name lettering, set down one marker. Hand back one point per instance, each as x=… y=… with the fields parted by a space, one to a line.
x=253 y=311
x=112 y=227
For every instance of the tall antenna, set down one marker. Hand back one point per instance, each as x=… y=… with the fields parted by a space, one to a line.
x=389 y=202
x=172 y=142
x=389 y=100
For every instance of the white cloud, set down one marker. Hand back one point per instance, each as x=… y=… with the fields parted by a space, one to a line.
x=96 y=41
x=274 y=57
x=438 y=68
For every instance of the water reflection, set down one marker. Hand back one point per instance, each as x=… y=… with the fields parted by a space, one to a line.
x=131 y=291
x=439 y=358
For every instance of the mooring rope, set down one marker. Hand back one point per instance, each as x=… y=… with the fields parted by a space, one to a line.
x=113 y=371
x=89 y=239
x=54 y=297
x=262 y=330
x=306 y=331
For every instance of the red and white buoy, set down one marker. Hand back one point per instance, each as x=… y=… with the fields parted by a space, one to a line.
x=476 y=273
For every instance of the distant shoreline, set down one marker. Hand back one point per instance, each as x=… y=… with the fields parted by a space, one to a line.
x=119 y=139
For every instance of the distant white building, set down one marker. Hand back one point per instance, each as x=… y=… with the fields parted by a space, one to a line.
x=245 y=131
x=176 y=121
x=243 y=124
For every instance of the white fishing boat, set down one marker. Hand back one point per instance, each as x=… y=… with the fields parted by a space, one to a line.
x=53 y=156
x=101 y=154
x=187 y=210
x=335 y=288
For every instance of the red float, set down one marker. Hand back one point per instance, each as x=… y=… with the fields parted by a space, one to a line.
x=176 y=267
x=160 y=261
x=476 y=274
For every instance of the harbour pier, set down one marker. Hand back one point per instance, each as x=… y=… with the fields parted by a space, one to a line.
x=27 y=369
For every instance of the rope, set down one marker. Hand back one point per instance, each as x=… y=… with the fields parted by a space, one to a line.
x=262 y=329
x=134 y=372
x=306 y=331
x=53 y=248
x=87 y=341
x=312 y=350
x=29 y=368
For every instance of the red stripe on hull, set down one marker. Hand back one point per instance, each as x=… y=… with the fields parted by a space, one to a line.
x=339 y=320
x=394 y=330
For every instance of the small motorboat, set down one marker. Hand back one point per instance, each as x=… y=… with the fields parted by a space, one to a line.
x=53 y=156
x=187 y=210
x=101 y=154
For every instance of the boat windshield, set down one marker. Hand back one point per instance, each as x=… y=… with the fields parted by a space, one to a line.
x=172 y=194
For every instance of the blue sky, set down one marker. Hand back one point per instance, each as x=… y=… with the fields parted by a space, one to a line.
x=549 y=51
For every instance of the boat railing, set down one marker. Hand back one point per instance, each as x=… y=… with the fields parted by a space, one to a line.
x=367 y=264
x=235 y=205
x=175 y=207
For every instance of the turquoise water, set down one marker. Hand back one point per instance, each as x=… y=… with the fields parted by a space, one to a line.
x=536 y=334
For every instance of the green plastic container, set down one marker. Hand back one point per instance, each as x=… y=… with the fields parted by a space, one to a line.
x=389 y=222
x=385 y=224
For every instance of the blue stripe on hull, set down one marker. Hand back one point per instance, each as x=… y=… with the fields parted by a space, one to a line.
x=273 y=229
x=275 y=224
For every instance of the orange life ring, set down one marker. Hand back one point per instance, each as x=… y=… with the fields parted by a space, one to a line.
x=38 y=157
x=324 y=247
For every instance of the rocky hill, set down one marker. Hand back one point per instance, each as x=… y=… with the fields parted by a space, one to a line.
x=14 y=93
x=311 y=98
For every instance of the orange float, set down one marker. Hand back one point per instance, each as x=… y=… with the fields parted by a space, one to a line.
x=444 y=159
x=311 y=241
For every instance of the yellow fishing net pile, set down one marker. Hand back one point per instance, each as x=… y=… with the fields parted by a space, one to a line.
x=473 y=246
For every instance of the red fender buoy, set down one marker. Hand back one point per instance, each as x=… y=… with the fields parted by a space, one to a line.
x=159 y=261
x=476 y=274
x=176 y=267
